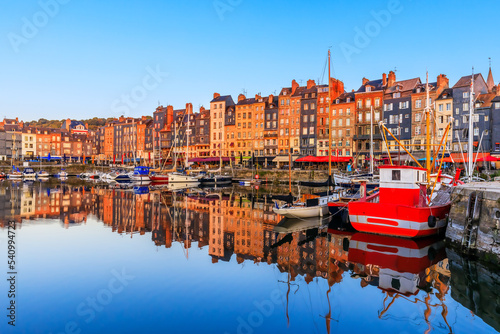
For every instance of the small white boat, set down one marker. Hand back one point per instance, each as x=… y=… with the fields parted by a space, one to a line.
x=62 y=174
x=182 y=178
x=312 y=207
x=42 y=174
x=15 y=175
x=29 y=173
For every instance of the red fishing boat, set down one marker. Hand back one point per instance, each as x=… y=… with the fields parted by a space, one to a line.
x=401 y=207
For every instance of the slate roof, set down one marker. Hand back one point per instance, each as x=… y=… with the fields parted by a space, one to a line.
x=227 y=98
x=376 y=84
x=404 y=85
x=465 y=81
x=446 y=94
x=343 y=97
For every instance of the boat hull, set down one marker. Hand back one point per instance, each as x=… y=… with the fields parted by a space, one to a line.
x=398 y=220
x=140 y=178
x=159 y=178
x=176 y=178
x=303 y=212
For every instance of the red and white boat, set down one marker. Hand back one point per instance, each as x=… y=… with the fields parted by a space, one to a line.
x=401 y=207
x=159 y=177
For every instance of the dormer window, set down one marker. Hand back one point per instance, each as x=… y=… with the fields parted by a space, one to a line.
x=418 y=90
x=348 y=100
x=368 y=89
x=337 y=101
x=396 y=95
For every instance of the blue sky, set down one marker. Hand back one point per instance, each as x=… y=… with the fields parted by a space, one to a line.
x=83 y=59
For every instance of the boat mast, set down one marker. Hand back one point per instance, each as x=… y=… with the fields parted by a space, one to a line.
x=186 y=163
x=471 y=130
x=329 y=122
x=371 y=140
x=427 y=129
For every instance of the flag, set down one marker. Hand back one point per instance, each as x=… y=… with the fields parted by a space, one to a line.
x=48 y=157
x=122 y=159
x=276 y=205
x=114 y=158
x=149 y=156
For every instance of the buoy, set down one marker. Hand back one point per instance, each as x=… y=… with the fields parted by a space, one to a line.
x=257 y=176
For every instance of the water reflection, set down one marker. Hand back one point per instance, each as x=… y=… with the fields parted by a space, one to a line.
x=404 y=282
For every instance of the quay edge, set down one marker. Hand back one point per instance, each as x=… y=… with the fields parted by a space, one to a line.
x=474 y=221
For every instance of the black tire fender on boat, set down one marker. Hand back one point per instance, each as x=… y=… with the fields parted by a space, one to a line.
x=431 y=221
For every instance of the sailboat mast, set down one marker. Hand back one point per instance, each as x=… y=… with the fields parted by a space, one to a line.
x=371 y=140
x=186 y=163
x=428 y=130
x=329 y=121
x=471 y=130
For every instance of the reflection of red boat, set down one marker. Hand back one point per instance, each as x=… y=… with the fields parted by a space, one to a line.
x=401 y=207
x=397 y=254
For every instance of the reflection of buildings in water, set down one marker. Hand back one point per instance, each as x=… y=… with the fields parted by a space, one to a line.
x=66 y=204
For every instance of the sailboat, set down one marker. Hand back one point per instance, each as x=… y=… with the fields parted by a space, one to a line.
x=312 y=205
x=184 y=177
x=402 y=207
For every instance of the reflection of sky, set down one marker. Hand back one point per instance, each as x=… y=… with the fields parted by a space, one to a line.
x=60 y=268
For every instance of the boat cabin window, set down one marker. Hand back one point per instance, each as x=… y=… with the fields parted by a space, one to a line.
x=418 y=176
x=396 y=175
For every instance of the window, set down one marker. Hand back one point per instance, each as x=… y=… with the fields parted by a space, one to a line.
x=465 y=106
x=476 y=131
x=368 y=103
x=396 y=95
x=486 y=118
x=377 y=102
x=360 y=104
x=304 y=131
x=440 y=107
x=466 y=95
x=368 y=116
x=406 y=130
x=497 y=105
x=418 y=104
x=396 y=175
x=417 y=117
x=457 y=111
x=348 y=111
x=368 y=89
x=348 y=122
x=306 y=106
x=448 y=106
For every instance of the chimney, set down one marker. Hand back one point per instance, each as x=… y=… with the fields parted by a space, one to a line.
x=144 y=118
x=295 y=85
x=241 y=97
x=365 y=80
x=442 y=81
x=216 y=95
x=392 y=79
x=202 y=109
x=498 y=89
x=310 y=84
x=189 y=108
x=384 y=79
x=87 y=126
x=271 y=98
x=169 y=115
x=257 y=96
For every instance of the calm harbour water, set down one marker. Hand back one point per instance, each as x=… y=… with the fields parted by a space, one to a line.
x=91 y=259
